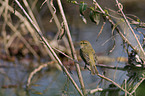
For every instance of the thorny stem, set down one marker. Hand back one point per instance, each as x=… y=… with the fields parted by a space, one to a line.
x=49 y=47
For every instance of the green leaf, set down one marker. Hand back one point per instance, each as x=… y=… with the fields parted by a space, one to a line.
x=95 y=17
x=74 y=2
x=138 y=20
x=122 y=20
x=106 y=12
x=92 y=8
x=83 y=18
x=82 y=8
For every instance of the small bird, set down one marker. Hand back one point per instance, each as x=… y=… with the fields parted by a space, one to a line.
x=88 y=55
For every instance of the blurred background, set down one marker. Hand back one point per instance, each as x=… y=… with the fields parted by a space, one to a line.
x=21 y=49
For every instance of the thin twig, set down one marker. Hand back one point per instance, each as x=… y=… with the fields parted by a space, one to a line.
x=102 y=90
x=49 y=47
x=117 y=29
x=110 y=67
x=31 y=13
x=102 y=27
x=125 y=83
x=98 y=65
x=141 y=51
x=72 y=47
x=35 y=71
x=114 y=83
x=57 y=22
x=137 y=85
x=124 y=38
x=23 y=39
x=23 y=19
x=95 y=90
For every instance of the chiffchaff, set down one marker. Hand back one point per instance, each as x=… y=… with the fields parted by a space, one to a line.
x=88 y=55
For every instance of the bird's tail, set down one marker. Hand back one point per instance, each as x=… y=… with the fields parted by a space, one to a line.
x=93 y=68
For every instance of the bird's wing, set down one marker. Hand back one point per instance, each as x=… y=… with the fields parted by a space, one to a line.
x=85 y=57
x=95 y=58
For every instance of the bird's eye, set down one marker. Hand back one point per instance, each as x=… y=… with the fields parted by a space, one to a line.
x=83 y=42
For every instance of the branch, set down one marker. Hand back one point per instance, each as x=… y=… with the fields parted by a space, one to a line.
x=140 y=50
x=72 y=47
x=123 y=37
x=49 y=47
x=117 y=29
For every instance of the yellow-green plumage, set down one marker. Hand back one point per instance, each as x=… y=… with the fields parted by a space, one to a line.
x=88 y=55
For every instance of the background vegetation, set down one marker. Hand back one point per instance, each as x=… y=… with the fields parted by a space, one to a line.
x=39 y=49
